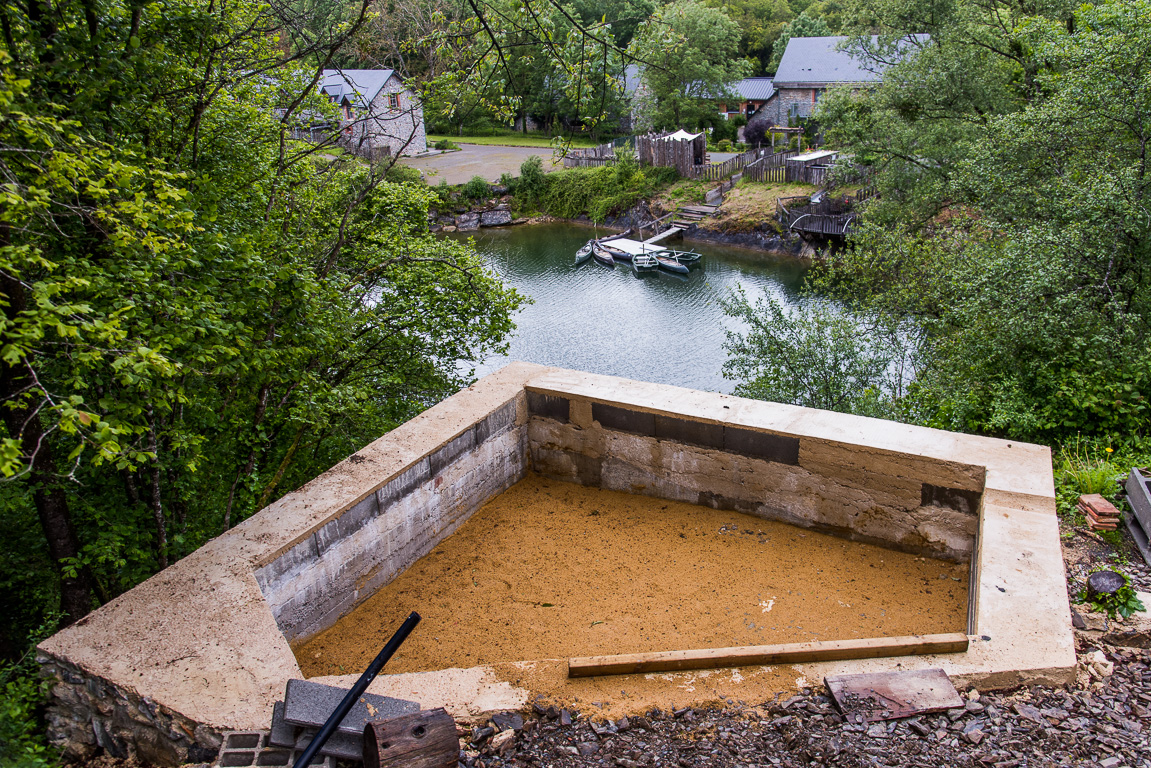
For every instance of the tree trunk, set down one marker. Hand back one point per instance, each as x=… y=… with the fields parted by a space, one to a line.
x=24 y=425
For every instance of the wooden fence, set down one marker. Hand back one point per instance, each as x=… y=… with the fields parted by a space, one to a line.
x=827 y=217
x=751 y=158
x=594 y=157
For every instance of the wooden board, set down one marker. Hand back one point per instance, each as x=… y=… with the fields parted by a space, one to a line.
x=889 y=695
x=423 y=740
x=1139 y=498
x=788 y=653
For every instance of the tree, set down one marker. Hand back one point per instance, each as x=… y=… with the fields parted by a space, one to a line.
x=200 y=313
x=816 y=356
x=803 y=25
x=760 y=22
x=689 y=60
x=1013 y=227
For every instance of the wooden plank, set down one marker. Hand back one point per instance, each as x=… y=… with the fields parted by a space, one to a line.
x=1139 y=498
x=787 y=653
x=890 y=695
x=422 y=740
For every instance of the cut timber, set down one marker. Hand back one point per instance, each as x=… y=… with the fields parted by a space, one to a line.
x=890 y=695
x=423 y=740
x=787 y=653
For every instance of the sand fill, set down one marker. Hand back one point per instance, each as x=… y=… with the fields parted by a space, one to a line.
x=549 y=570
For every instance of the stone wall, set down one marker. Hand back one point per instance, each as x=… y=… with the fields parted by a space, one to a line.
x=344 y=562
x=90 y=714
x=896 y=500
x=388 y=132
x=777 y=110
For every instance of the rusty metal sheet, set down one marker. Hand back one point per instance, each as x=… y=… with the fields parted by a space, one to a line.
x=890 y=695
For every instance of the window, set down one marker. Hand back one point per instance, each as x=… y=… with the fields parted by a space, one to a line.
x=393 y=101
x=347 y=111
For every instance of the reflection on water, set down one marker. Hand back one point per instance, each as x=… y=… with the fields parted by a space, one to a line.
x=655 y=327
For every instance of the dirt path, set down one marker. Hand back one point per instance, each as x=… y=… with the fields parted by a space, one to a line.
x=477 y=160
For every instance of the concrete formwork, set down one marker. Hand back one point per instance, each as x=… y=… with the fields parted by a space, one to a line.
x=203 y=646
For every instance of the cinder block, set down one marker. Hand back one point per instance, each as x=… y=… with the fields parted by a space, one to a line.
x=251 y=748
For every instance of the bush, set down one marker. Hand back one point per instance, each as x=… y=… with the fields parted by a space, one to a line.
x=756 y=132
x=532 y=184
x=404 y=174
x=476 y=189
x=599 y=192
x=24 y=693
x=446 y=144
x=724 y=146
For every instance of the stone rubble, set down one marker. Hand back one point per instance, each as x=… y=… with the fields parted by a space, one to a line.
x=1106 y=722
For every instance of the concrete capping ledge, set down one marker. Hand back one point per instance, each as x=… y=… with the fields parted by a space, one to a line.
x=196 y=649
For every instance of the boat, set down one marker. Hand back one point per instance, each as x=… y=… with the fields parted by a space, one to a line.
x=602 y=255
x=583 y=254
x=670 y=264
x=616 y=253
x=685 y=257
x=644 y=262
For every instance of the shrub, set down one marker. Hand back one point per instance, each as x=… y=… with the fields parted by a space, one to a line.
x=533 y=183
x=724 y=146
x=404 y=174
x=476 y=189
x=446 y=145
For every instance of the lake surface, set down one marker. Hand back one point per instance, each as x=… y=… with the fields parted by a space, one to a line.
x=656 y=327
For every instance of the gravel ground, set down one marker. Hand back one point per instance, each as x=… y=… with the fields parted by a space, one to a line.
x=1105 y=721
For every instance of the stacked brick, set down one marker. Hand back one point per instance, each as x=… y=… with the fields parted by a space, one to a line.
x=1101 y=514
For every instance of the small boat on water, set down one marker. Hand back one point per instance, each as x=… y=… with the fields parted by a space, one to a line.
x=603 y=255
x=616 y=253
x=684 y=257
x=583 y=254
x=644 y=262
x=670 y=264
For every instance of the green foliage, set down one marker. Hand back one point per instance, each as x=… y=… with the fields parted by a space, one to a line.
x=817 y=357
x=597 y=192
x=690 y=59
x=804 y=25
x=446 y=145
x=1123 y=601
x=25 y=692
x=477 y=188
x=1013 y=225
x=197 y=312
x=532 y=183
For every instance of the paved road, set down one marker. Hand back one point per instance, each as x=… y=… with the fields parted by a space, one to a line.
x=477 y=160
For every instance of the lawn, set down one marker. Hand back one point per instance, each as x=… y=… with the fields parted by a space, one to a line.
x=750 y=204
x=511 y=139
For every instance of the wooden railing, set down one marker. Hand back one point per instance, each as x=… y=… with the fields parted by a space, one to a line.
x=740 y=162
x=827 y=217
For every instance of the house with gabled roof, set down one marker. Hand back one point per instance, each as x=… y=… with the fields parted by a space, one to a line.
x=811 y=65
x=378 y=115
x=752 y=94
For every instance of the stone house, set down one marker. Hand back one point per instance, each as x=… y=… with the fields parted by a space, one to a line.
x=379 y=116
x=752 y=94
x=811 y=65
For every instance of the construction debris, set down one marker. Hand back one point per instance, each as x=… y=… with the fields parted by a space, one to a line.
x=891 y=695
x=1101 y=514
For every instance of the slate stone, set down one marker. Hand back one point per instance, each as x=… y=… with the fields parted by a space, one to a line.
x=283 y=733
x=340 y=745
x=549 y=406
x=762 y=445
x=508 y=720
x=468 y=222
x=958 y=499
x=310 y=704
x=624 y=419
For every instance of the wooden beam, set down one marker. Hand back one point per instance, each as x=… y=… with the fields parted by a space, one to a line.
x=753 y=655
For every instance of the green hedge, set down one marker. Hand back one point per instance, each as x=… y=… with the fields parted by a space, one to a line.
x=594 y=192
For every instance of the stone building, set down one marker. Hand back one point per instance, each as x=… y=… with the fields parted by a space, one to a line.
x=379 y=116
x=752 y=93
x=811 y=65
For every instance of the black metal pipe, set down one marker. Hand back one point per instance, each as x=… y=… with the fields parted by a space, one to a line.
x=358 y=689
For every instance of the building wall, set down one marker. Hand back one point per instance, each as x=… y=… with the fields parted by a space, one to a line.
x=385 y=131
x=779 y=109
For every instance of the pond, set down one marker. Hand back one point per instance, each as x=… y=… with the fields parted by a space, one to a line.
x=656 y=327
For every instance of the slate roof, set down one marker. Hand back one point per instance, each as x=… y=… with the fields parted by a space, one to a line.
x=754 y=88
x=359 y=86
x=819 y=60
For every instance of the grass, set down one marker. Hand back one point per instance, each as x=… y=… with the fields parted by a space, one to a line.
x=751 y=204
x=514 y=139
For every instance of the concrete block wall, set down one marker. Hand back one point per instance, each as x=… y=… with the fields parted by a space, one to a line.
x=377 y=537
x=898 y=500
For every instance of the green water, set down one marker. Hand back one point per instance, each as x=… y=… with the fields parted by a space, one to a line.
x=655 y=327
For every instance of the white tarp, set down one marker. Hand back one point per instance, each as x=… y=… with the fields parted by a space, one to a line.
x=681 y=135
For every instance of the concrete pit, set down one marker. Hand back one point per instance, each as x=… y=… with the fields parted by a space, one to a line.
x=207 y=645
x=551 y=569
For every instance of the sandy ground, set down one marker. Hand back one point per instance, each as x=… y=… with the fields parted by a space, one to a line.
x=488 y=162
x=550 y=570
